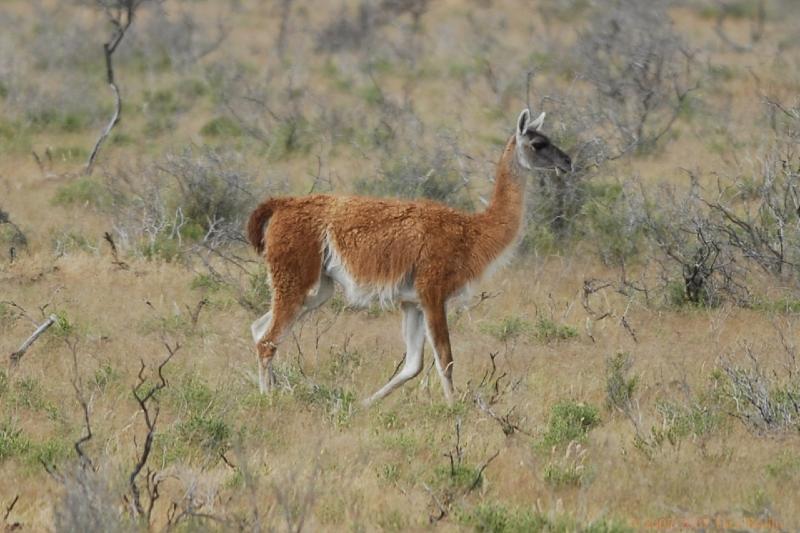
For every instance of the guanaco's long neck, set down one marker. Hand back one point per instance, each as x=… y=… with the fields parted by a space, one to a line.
x=501 y=222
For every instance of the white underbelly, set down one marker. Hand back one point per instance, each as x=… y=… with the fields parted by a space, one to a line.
x=361 y=294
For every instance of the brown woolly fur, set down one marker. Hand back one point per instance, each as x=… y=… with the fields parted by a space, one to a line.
x=416 y=253
x=255 y=224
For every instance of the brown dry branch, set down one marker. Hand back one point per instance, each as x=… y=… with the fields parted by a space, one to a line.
x=114 y=252
x=77 y=385
x=148 y=404
x=120 y=14
x=11 y=526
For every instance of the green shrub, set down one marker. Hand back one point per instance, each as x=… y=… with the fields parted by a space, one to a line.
x=157 y=125
x=69 y=241
x=68 y=154
x=608 y=221
x=559 y=476
x=619 y=387
x=418 y=173
x=64 y=326
x=257 y=294
x=50 y=452
x=206 y=282
x=508 y=328
x=161 y=247
x=569 y=421
x=459 y=477
x=208 y=432
x=539 y=239
x=29 y=394
x=14 y=137
x=13 y=442
x=546 y=330
x=221 y=127
x=104 y=376
x=60 y=120
x=162 y=102
x=191 y=395
x=497 y=518
x=82 y=192
x=191 y=89
x=294 y=135
x=336 y=403
x=785 y=468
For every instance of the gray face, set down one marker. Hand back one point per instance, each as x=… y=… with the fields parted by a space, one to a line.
x=534 y=149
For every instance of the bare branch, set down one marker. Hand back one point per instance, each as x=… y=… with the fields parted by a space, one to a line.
x=120 y=15
x=150 y=413
x=16 y=356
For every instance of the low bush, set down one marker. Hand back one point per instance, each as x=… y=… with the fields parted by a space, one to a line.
x=620 y=387
x=546 y=330
x=83 y=192
x=569 y=421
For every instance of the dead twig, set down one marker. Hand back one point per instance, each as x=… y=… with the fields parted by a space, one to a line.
x=13 y=526
x=77 y=386
x=114 y=253
x=144 y=399
x=479 y=474
x=120 y=15
x=442 y=510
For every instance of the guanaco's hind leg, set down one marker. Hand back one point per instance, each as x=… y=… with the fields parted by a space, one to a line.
x=439 y=337
x=414 y=335
x=269 y=330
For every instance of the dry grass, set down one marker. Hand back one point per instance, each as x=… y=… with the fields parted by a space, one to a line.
x=307 y=456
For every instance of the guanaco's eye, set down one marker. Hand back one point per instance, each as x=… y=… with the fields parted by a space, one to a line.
x=539 y=143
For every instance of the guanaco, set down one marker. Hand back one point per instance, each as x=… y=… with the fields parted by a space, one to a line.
x=418 y=254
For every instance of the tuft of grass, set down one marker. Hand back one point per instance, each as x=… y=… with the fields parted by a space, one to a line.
x=221 y=127
x=619 y=387
x=69 y=154
x=64 y=326
x=785 y=467
x=546 y=330
x=257 y=293
x=28 y=394
x=51 y=119
x=82 y=192
x=336 y=403
x=206 y=282
x=569 y=421
x=13 y=442
x=14 y=137
x=389 y=473
x=608 y=221
x=508 y=328
x=104 y=376
x=191 y=395
x=51 y=452
x=559 y=476
x=458 y=477
x=208 y=432
x=494 y=517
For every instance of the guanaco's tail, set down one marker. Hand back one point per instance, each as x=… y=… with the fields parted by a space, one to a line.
x=258 y=221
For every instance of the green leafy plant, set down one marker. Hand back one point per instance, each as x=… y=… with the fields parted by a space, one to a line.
x=569 y=421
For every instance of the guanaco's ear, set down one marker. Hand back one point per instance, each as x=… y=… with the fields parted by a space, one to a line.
x=522 y=121
x=537 y=124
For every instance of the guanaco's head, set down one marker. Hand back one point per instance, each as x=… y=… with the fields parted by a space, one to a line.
x=534 y=150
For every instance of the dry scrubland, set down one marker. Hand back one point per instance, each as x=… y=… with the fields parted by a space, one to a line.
x=645 y=337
